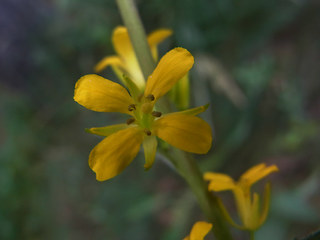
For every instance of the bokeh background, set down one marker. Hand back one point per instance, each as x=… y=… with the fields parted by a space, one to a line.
x=257 y=63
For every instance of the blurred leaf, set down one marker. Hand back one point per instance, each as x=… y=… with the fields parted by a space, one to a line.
x=220 y=80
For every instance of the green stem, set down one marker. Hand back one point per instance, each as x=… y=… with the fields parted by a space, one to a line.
x=251 y=235
x=137 y=35
x=188 y=169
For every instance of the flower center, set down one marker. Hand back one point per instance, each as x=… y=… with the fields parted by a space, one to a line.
x=143 y=113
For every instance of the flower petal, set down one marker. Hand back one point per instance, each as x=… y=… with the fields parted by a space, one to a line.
x=155 y=38
x=115 y=153
x=200 y=230
x=266 y=204
x=254 y=222
x=150 y=148
x=107 y=130
x=219 y=182
x=243 y=202
x=99 y=94
x=121 y=42
x=253 y=170
x=158 y=36
x=187 y=132
x=171 y=68
x=134 y=90
x=256 y=173
x=123 y=47
x=108 y=61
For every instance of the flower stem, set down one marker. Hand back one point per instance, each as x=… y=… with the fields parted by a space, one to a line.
x=251 y=235
x=188 y=169
x=137 y=35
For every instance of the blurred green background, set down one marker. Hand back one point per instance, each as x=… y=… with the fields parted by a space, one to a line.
x=256 y=62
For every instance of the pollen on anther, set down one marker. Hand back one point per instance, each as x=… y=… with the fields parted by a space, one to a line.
x=131 y=107
x=130 y=120
x=148 y=132
x=156 y=114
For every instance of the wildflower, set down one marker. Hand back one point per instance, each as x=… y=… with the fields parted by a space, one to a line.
x=199 y=231
x=125 y=62
x=122 y=143
x=251 y=216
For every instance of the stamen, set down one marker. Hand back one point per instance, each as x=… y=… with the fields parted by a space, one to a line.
x=148 y=132
x=131 y=107
x=150 y=97
x=156 y=114
x=130 y=120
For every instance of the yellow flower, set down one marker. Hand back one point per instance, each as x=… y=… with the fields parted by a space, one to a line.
x=199 y=231
x=125 y=62
x=122 y=143
x=251 y=216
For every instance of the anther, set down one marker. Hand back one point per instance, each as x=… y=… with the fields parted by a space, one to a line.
x=148 y=132
x=131 y=107
x=150 y=97
x=156 y=114
x=130 y=120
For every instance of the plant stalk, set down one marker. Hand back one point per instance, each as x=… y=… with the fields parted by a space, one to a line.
x=137 y=35
x=251 y=235
x=186 y=166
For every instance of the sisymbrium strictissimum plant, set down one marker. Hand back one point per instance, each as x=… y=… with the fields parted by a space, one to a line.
x=183 y=130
